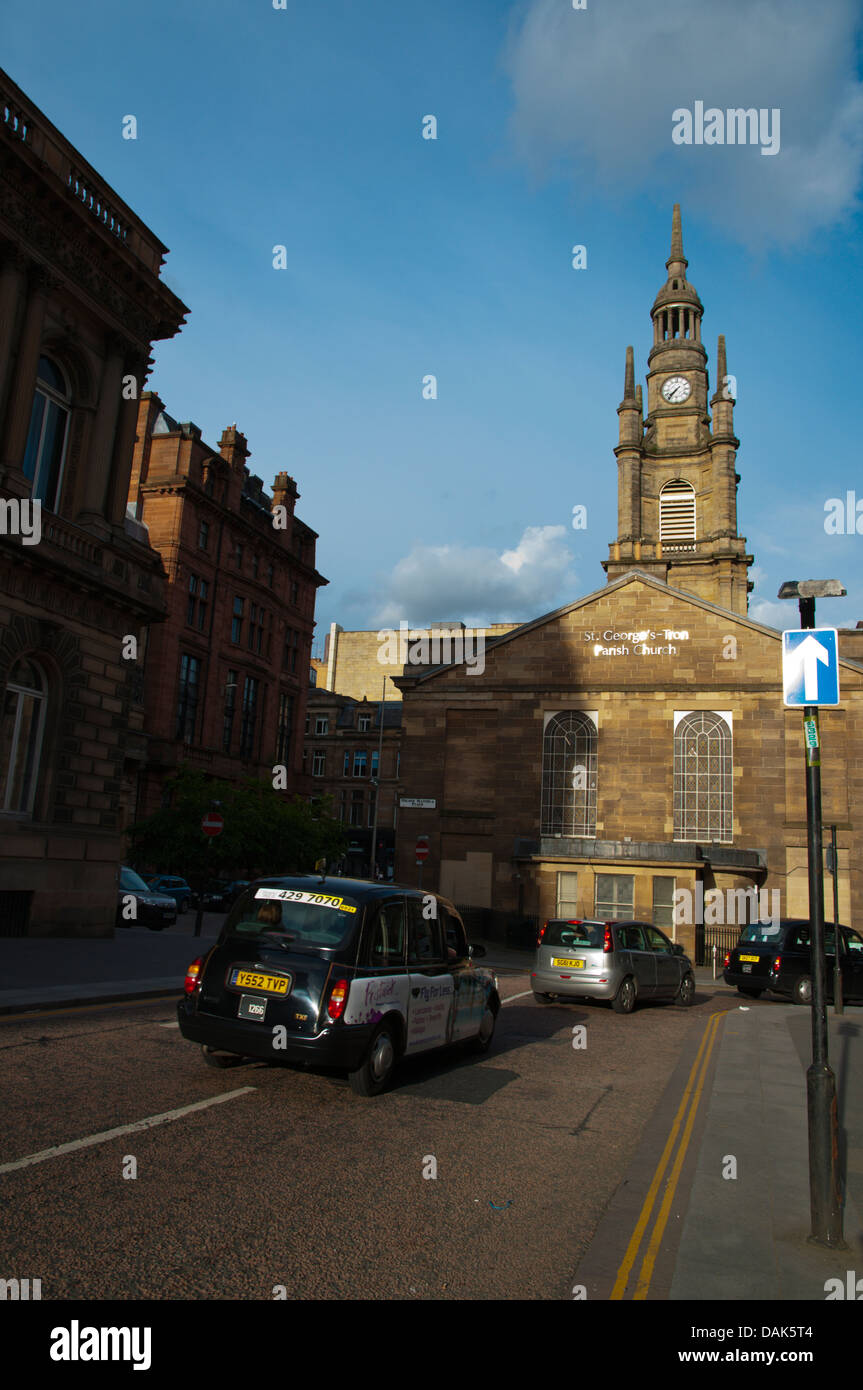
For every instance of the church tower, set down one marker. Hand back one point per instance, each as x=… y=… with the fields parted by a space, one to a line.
x=677 y=485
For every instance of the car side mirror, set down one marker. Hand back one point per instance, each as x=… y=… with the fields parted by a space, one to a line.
x=677 y=949
x=477 y=951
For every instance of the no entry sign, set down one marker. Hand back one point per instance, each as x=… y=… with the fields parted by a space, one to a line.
x=422 y=848
x=213 y=823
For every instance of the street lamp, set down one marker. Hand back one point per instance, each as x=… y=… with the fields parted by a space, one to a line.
x=824 y=1194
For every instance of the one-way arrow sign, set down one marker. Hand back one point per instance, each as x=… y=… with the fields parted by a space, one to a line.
x=810 y=667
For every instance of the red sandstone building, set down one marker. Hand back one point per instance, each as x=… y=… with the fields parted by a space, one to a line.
x=81 y=302
x=227 y=675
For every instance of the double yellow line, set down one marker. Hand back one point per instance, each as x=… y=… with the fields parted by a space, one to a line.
x=690 y=1101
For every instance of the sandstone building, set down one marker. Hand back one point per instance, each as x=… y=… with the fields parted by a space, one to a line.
x=81 y=302
x=634 y=742
x=227 y=675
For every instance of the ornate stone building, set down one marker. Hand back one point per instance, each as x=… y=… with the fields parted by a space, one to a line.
x=81 y=302
x=228 y=673
x=634 y=743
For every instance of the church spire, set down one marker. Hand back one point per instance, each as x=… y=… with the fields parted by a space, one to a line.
x=629 y=376
x=677 y=258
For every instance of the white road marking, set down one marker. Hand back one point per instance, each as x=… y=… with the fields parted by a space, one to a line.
x=169 y=1025
x=108 y=1134
x=523 y=995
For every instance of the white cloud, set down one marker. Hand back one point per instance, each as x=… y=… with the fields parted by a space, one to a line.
x=597 y=88
x=477 y=585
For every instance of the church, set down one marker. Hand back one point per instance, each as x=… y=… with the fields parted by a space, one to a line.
x=634 y=743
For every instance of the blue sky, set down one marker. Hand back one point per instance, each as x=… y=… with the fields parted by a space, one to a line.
x=303 y=126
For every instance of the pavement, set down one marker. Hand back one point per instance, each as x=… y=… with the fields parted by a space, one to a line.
x=715 y=1206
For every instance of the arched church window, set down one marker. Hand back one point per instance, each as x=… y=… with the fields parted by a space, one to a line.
x=21 y=729
x=703 y=777
x=569 y=775
x=677 y=512
x=45 y=451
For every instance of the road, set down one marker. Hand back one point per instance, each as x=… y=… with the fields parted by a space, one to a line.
x=291 y=1180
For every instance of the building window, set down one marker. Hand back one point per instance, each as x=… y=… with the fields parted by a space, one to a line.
x=677 y=514
x=285 y=729
x=295 y=593
x=614 y=895
x=374 y=772
x=569 y=775
x=229 y=710
x=663 y=903
x=347 y=766
x=271 y=573
x=204 y=535
x=356 y=808
x=249 y=717
x=360 y=764
x=237 y=620
x=187 y=702
x=238 y=556
x=196 y=614
x=322 y=724
x=292 y=642
x=319 y=762
x=45 y=451
x=256 y=560
x=256 y=627
x=567 y=894
x=364 y=723
x=21 y=733
x=702 y=777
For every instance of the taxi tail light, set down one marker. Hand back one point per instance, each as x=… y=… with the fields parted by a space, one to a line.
x=192 y=981
x=542 y=932
x=727 y=961
x=777 y=963
x=338 y=999
x=607 y=942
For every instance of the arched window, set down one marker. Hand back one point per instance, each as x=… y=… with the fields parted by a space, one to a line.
x=569 y=775
x=45 y=452
x=677 y=512
x=21 y=729
x=703 y=777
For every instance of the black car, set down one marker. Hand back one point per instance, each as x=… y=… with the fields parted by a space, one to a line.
x=341 y=973
x=776 y=956
x=138 y=904
x=220 y=894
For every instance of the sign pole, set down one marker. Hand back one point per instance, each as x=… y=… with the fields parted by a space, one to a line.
x=824 y=1200
x=838 y=1002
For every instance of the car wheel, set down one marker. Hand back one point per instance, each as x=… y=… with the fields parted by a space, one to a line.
x=750 y=993
x=372 y=1077
x=541 y=998
x=624 y=1000
x=482 y=1041
x=802 y=992
x=686 y=993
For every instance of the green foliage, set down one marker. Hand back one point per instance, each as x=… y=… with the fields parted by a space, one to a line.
x=265 y=832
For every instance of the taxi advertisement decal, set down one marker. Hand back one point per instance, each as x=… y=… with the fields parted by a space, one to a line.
x=292 y=895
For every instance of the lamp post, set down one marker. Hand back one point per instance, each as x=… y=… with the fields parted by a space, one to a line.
x=376 y=782
x=824 y=1193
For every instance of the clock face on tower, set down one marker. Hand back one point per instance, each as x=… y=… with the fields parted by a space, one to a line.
x=676 y=389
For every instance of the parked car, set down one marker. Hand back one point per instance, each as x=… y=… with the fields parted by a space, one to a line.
x=777 y=957
x=172 y=887
x=617 y=961
x=153 y=910
x=338 y=972
x=220 y=894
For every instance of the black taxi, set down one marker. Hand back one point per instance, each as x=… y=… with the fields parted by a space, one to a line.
x=338 y=972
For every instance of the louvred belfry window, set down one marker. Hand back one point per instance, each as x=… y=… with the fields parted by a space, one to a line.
x=677 y=514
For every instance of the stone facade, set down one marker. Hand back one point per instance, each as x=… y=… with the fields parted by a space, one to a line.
x=352 y=660
x=228 y=673
x=81 y=302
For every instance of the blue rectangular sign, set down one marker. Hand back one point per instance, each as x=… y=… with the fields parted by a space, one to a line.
x=810 y=666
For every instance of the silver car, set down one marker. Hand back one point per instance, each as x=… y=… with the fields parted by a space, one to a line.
x=620 y=961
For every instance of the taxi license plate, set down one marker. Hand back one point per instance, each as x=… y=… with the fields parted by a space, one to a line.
x=567 y=964
x=255 y=979
x=754 y=959
x=252 y=1006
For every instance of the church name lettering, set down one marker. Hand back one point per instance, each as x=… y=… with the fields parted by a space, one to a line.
x=644 y=643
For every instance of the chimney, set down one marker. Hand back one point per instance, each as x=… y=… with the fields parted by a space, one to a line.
x=233 y=448
x=285 y=492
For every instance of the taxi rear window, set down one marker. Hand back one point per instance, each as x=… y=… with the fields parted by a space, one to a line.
x=303 y=918
x=760 y=934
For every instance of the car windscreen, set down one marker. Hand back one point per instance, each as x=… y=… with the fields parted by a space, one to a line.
x=760 y=934
x=130 y=882
x=301 y=917
x=576 y=935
